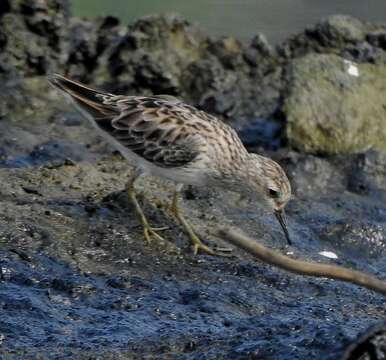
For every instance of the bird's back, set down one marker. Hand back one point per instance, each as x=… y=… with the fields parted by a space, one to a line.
x=161 y=130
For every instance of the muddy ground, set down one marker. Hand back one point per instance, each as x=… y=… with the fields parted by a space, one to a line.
x=78 y=281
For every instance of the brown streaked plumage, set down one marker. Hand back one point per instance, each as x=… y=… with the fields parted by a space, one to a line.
x=162 y=136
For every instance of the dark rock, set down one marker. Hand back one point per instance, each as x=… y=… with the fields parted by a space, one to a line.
x=108 y=31
x=370 y=345
x=88 y=41
x=33 y=34
x=82 y=59
x=367 y=174
x=327 y=36
x=262 y=46
x=377 y=38
x=5 y=7
x=338 y=30
x=221 y=91
x=262 y=133
x=229 y=52
x=212 y=87
x=260 y=56
x=313 y=175
x=362 y=53
x=152 y=54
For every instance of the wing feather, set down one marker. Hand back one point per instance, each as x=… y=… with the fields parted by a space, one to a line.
x=161 y=129
x=154 y=134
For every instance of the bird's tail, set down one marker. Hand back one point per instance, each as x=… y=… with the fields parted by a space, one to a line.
x=89 y=100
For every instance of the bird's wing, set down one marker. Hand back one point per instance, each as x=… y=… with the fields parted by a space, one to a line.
x=152 y=128
x=161 y=129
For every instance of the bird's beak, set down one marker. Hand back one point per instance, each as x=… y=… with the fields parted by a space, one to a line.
x=280 y=216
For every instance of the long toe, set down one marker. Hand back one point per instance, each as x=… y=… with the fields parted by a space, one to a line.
x=223 y=251
x=162 y=228
x=149 y=232
x=200 y=247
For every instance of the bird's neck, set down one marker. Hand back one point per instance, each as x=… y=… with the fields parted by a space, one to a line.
x=235 y=177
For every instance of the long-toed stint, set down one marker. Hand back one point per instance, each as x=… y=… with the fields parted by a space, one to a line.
x=162 y=136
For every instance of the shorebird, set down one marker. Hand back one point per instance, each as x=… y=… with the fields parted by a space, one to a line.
x=162 y=136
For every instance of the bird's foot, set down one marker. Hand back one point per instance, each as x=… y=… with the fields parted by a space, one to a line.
x=199 y=246
x=149 y=232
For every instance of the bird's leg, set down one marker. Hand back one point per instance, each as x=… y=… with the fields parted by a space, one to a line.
x=198 y=245
x=148 y=231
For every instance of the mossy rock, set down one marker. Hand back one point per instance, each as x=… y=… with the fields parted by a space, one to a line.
x=334 y=106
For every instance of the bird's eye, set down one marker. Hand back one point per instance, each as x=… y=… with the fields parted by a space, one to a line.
x=273 y=193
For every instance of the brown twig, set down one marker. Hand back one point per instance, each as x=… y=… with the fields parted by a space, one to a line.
x=302 y=267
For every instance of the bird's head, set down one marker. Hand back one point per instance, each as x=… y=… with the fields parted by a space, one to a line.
x=269 y=182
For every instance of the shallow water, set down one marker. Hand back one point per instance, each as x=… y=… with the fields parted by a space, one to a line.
x=277 y=19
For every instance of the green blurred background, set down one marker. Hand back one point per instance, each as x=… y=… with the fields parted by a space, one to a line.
x=241 y=18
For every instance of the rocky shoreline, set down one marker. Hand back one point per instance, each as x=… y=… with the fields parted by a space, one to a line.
x=77 y=280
